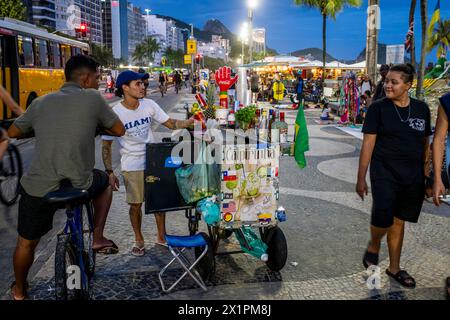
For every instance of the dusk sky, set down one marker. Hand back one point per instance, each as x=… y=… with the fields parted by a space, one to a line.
x=290 y=28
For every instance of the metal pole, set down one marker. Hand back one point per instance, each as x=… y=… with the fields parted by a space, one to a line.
x=372 y=39
x=192 y=56
x=250 y=34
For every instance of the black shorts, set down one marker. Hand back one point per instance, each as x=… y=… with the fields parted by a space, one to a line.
x=391 y=199
x=36 y=216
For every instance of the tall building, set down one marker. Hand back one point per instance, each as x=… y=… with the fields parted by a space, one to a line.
x=136 y=28
x=41 y=12
x=106 y=23
x=166 y=33
x=259 y=40
x=91 y=15
x=63 y=12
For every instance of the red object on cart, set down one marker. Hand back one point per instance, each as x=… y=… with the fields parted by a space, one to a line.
x=199 y=116
x=201 y=101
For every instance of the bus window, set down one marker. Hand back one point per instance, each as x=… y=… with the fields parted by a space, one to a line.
x=26 y=57
x=41 y=53
x=76 y=51
x=56 y=55
x=65 y=53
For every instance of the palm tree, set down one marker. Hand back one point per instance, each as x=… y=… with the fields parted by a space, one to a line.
x=145 y=51
x=440 y=38
x=423 y=51
x=412 y=10
x=328 y=8
x=12 y=9
x=102 y=54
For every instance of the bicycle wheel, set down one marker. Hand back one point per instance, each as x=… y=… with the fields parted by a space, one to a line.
x=12 y=166
x=89 y=254
x=65 y=256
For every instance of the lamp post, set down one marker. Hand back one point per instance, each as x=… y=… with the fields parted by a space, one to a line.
x=243 y=35
x=252 y=4
x=192 y=56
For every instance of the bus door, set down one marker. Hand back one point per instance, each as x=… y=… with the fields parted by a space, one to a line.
x=9 y=71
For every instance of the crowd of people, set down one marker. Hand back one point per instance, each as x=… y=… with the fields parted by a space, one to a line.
x=396 y=145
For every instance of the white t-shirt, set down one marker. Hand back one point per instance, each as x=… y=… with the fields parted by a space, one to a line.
x=138 y=132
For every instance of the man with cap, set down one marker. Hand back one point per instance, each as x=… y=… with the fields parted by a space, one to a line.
x=64 y=124
x=137 y=114
x=379 y=91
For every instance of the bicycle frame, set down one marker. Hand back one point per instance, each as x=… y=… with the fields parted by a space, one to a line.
x=74 y=228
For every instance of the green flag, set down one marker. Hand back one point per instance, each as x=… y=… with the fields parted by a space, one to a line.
x=301 y=144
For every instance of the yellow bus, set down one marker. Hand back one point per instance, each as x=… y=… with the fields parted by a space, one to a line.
x=32 y=61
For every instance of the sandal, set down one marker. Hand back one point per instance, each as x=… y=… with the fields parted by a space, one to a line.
x=403 y=278
x=137 y=251
x=12 y=291
x=108 y=249
x=370 y=258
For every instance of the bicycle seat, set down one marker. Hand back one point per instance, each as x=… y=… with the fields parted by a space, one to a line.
x=66 y=194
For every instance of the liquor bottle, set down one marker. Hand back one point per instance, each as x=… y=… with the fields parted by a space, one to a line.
x=279 y=134
x=272 y=119
x=231 y=120
x=263 y=127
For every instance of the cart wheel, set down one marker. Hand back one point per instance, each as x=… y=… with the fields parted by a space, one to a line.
x=207 y=266
x=277 y=248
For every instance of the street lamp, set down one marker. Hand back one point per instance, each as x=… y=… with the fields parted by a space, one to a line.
x=251 y=4
x=244 y=35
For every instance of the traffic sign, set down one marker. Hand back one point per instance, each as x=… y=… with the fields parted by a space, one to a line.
x=163 y=61
x=187 y=59
x=191 y=46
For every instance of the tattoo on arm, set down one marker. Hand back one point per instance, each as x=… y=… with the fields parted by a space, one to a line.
x=106 y=154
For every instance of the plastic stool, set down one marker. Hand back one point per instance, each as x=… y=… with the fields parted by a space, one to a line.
x=177 y=245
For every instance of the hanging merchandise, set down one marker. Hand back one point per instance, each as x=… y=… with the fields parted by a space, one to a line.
x=278 y=90
x=350 y=98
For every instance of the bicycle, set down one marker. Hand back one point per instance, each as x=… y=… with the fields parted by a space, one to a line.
x=10 y=177
x=74 y=246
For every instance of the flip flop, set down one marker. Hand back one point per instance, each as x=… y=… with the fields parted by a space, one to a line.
x=12 y=291
x=108 y=249
x=162 y=244
x=403 y=278
x=137 y=251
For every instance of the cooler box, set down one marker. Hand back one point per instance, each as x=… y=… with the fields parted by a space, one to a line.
x=161 y=189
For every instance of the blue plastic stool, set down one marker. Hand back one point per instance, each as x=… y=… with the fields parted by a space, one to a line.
x=177 y=245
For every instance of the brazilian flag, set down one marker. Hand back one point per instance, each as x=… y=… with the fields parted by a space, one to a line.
x=301 y=144
x=434 y=19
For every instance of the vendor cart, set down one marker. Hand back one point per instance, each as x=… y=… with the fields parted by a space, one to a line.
x=248 y=198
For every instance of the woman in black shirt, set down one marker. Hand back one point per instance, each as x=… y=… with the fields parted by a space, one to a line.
x=396 y=131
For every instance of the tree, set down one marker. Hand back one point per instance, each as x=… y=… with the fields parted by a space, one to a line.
x=102 y=54
x=412 y=10
x=328 y=8
x=440 y=38
x=144 y=52
x=175 y=58
x=12 y=9
x=213 y=64
x=423 y=51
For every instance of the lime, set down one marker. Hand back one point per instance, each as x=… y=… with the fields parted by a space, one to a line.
x=262 y=172
x=231 y=184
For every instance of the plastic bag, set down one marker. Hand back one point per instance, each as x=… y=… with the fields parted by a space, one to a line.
x=199 y=180
x=258 y=247
x=210 y=210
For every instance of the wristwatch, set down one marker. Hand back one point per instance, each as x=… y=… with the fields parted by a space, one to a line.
x=109 y=171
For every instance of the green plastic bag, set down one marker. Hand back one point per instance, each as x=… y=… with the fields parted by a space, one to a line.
x=199 y=180
x=257 y=248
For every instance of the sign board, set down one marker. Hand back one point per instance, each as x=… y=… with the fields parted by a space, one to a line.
x=187 y=59
x=191 y=47
x=395 y=54
x=163 y=61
